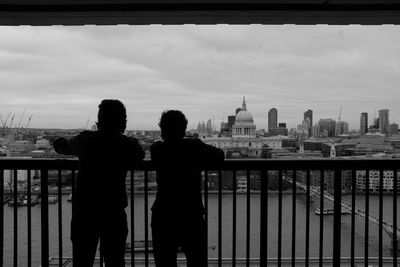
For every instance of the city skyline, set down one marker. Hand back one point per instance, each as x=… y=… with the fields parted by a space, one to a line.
x=60 y=74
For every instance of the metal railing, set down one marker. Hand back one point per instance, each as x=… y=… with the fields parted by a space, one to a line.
x=263 y=168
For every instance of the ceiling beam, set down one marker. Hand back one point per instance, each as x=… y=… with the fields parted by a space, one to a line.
x=195 y=12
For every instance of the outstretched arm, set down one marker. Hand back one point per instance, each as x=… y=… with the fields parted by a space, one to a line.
x=213 y=154
x=67 y=147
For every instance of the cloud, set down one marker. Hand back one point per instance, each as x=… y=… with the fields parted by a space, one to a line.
x=60 y=74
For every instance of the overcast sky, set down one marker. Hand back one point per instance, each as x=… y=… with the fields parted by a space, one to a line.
x=60 y=74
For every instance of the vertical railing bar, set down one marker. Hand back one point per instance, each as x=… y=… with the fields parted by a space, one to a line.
x=60 y=235
x=29 y=218
x=44 y=214
x=353 y=215
x=294 y=218
x=307 y=256
x=15 y=199
x=219 y=218
x=366 y=219
x=146 y=216
x=101 y=254
x=337 y=206
x=394 y=242
x=206 y=210
x=321 y=219
x=234 y=181
x=73 y=200
x=280 y=219
x=132 y=218
x=1 y=216
x=248 y=186
x=264 y=219
x=380 y=218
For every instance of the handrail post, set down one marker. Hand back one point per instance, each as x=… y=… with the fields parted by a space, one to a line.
x=44 y=214
x=337 y=205
x=1 y=216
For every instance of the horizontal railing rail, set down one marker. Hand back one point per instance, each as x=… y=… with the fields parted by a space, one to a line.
x=287 y=172
x=229 y=164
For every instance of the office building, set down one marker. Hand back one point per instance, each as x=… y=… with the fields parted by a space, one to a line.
x=272 y=119
x=384 y=121
x=364 y=123
x=342 y=127
x=308 y=115
x=326 y=127
x=393 y=129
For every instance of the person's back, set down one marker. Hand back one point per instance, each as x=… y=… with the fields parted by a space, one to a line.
x=103 y=162
x=100 y=199
x=179 y=164
x=177 y=212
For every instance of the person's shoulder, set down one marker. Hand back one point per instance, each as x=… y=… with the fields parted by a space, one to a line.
x=156 y=145
x=87 y=134
x=128 y=139
x=192 y=141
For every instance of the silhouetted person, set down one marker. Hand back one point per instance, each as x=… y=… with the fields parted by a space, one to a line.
x=100 y=199
x=178 y=213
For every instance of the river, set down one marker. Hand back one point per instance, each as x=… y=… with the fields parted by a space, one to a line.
x=213 y=230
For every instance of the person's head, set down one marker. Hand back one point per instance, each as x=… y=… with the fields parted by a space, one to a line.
x=173 y=125
x=111 y=116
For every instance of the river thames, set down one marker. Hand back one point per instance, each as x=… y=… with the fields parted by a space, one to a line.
x=226 y=229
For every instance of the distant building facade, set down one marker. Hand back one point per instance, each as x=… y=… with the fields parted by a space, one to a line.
x=342 y=127
x=364 y=123
x=326 y=127
x=384 y=121
x=393 y=129
x=272 y=119
x=308 y=116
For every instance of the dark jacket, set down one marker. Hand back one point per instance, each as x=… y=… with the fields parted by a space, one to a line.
x=103 y=163
x=178 y=165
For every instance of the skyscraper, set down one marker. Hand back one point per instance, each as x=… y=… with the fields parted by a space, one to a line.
x=327 y=127
x=384 y=121
x=364 y=123
x=309 y=114
x=342 y=127
x=272 y=119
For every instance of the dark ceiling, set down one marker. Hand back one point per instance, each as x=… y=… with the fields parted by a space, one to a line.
x=111 y=12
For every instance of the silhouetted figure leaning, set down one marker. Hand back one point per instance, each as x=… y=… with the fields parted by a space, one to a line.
x=178 y=211
x=99 y=201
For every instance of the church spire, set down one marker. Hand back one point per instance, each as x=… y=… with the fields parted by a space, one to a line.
x=244 y=104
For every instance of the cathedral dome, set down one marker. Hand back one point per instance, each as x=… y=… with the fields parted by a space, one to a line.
x=244 y=117
x=244 y=125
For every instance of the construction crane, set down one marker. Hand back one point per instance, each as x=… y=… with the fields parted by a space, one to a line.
x=29 y=120
x=340 y=113
x=12 y=119
x=87 y=123
x=5 y=123
x=20 y=119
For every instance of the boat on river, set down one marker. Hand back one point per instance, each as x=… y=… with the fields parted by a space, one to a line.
x=330 y=211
